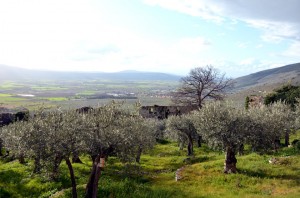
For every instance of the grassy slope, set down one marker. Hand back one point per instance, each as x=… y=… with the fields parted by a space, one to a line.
x=156 y=176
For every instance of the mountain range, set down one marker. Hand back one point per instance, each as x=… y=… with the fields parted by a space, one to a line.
x=19 y=74
x=270 y=77
x=265 y=80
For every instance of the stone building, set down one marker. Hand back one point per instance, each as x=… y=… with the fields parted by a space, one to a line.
x=163 y=112
x=256 y=101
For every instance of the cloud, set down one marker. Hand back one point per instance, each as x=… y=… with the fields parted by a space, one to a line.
x=196 y=8
x=243 y=45
x=277 y=19
x=248 y=61
x=293 y=50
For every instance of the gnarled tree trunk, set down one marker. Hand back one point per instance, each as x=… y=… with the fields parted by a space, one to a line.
x=21 y=158
x=37 y=165
x=138 y=155
x=75 y=158
x=199 y=139
x=230 y=160
x=55 y=170
x=287 y=138
x=92 y=185
x=276 y=144
x=190 y=146
x=74 y=191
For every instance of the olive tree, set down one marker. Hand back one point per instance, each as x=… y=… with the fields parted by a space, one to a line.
x=223 y=127
x=202 y=83
x=141 y=135
x=271 y=123
x=14 y=139
x=227 y=127
x=48 y=138
x=182 y=129
x=297 y=114
x=112 y=131
x=65 y=137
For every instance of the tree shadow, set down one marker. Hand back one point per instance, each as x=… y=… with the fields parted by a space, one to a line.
x=10 y=176
x=262 y=174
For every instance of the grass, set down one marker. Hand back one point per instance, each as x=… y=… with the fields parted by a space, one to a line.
x=54 y=98
x=5 y=95
x=155 y=177
x=47 y=88
x=87 y=93
x=8 y=98
x=10 y=85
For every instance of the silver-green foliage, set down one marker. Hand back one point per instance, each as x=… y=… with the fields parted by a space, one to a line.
x=221 y=124
x=269 y=123
x=111 y=130
x=182 y=129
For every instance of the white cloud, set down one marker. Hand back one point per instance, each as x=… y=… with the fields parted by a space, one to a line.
x=197 y=8
x=259 y=46
x=243 y=45
x=277 y=19
x=293 y=50
x=248 y=61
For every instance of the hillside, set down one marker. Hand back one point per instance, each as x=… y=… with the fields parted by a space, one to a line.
x=264 y=82
x=277 y=75
x=19 y=74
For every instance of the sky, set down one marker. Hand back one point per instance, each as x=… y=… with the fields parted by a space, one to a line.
x=238 y=37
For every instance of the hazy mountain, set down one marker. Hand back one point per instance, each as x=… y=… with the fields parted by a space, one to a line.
x=17 y=74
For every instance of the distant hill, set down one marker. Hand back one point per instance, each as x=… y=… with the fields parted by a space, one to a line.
x=264 y=82
x=17 y=74
x=277 y=75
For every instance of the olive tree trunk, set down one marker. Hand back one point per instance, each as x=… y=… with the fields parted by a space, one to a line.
x=74 y=191
x=75 y=158
x=55 y=169
x=92 y=185
x=287 y=138
x=190 y=146
x=1 y=147
x=138 y=155
x=230 y=160
x=199 y=140
x=21 y=158
x=37 y=164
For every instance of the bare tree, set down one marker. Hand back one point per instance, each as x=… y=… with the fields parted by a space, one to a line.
x=201 y=84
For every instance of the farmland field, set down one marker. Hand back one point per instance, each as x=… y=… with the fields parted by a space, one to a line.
x=73 y=94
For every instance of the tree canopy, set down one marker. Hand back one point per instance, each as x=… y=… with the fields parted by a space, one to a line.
x=201 y=84
x=224 y=126
x=287 y=93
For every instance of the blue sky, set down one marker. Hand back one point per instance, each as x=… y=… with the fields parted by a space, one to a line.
x=238 y=37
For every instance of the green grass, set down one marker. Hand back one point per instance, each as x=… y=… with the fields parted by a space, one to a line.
x=6 y=98
x=5 y=95
x=87 y=93
x=54 y=98
x=10 y=85
x=47 y=88
x=155 y=177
